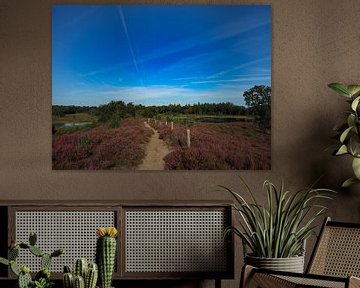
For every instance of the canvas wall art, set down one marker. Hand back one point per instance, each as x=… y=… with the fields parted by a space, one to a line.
x=155 y=87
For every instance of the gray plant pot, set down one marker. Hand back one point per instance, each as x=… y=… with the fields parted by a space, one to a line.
x=291 y=264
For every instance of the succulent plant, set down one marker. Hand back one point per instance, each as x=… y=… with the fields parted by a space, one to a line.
x=42 y=278
x=85 y=275
x=106 y=254
x=279 y=228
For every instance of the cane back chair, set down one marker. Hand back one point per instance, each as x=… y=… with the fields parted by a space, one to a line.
x=335 y=262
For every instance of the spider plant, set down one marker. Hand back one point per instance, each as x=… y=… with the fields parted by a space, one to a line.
x=280 y=229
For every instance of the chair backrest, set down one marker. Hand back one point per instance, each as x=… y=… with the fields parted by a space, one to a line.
x=337 y=251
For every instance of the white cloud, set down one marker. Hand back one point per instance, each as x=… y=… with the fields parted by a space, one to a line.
x=240 y=79
x=238 y=67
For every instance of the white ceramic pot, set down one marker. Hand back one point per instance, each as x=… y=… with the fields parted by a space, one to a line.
x=291 y=264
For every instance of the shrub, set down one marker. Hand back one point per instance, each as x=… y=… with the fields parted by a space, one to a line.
x=102 y=148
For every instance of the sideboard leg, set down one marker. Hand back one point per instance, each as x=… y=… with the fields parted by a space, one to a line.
x=217 y=283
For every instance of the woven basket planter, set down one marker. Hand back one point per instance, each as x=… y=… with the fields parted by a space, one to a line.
x=291 y=264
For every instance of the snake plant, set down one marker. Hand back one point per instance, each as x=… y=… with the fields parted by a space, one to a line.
x=349 y=132
x=280 y=228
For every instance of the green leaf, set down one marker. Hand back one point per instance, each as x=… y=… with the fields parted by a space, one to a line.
x=356 y=167
x=355 y=103
x=345 y=134
x=4 y=261
x=353 y=89
x=14 y=268
x=354 y=145
x=342 y=150
x=351 y=120
x=349 y=182
x=340 y=88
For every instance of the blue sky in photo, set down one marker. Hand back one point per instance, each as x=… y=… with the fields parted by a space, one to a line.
x=158 y=55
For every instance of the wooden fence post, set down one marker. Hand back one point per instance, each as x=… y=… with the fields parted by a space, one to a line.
x=188 y=137
x=172 y=125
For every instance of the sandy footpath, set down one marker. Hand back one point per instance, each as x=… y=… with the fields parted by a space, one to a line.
x=156 y=150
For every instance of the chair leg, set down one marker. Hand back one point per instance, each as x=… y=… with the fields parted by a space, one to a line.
x=246 y=273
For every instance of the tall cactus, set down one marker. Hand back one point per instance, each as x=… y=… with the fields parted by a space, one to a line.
x=106 y=254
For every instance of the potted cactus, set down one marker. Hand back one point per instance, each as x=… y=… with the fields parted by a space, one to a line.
x=85 y=275
x=42 y=278
x=106 y=254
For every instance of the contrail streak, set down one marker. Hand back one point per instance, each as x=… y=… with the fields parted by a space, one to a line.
x=129 y=43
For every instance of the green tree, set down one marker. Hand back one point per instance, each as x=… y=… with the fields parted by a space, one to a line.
x=258 y=99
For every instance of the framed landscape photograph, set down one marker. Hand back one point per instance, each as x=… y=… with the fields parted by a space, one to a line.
x=161 y=87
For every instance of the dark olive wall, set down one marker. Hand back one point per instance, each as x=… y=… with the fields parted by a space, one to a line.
x=314 y=42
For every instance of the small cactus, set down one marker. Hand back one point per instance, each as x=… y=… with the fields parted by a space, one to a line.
x=79 y=282
x=45 y=261
x=80 y=268
x=67 y=269
x=32 y=238
x=13 y=253
x=36 y=251
x=68 y=280
x=90 y=272
x=57 y=252
x=24 y=246
x=91 y=276
x=106 y=254
x=24 y=278
x=44 y=273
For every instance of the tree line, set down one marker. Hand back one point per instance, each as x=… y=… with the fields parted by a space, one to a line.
x=257 y=100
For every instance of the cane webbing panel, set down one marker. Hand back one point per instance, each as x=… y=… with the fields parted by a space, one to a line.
x=75 y=231
x=260 y=280
x=338 y=252
x=313 y=282
x=175 y=241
